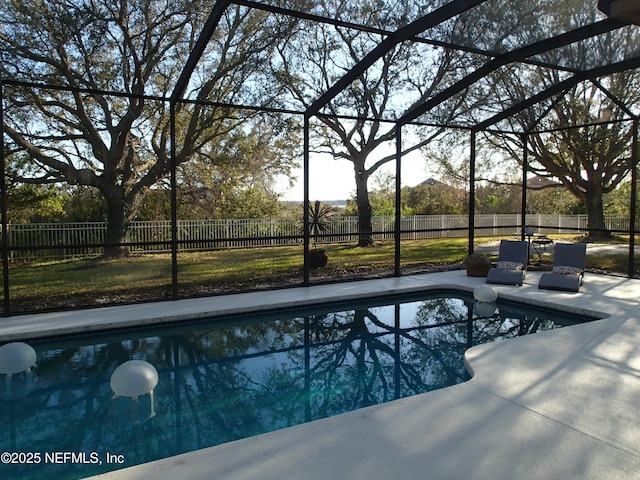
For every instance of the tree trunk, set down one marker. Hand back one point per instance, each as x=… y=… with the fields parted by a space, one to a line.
x=595 y=216
x=365 y=228
x=117 y=224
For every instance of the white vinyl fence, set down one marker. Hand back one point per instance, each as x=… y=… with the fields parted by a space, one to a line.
x=40 y=241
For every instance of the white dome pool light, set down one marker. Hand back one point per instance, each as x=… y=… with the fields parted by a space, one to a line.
x=16 y=357
x=134 y=378
x=485 y=293
x=484 y=309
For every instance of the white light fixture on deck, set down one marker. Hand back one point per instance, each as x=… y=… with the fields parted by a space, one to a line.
x=485 y=293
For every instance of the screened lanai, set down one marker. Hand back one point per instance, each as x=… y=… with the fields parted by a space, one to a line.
x=373 y=84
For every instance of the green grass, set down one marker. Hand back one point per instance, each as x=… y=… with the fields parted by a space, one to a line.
x=73 y=283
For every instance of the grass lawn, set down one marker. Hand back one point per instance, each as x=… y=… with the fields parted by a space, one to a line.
x=76 y=283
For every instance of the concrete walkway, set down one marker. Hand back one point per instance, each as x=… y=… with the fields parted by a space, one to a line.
x=562 y=404
x=492 y=248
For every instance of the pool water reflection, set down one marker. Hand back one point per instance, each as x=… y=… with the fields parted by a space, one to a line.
x=233 y=378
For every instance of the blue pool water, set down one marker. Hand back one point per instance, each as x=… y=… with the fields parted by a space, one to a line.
x=231 y=378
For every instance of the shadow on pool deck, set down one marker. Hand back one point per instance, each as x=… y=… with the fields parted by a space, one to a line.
x=561 y=404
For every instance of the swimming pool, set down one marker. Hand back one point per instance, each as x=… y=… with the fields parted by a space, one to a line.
x=237 y=377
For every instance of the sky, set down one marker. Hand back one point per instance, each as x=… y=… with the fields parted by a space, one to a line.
x=334 y=179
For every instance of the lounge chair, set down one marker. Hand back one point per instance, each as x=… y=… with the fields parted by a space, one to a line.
x=568 y=268
x=512 y=263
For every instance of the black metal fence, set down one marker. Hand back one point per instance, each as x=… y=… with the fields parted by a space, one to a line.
x=50 y=241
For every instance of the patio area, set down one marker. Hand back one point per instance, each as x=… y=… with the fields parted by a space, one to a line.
x=559 y=404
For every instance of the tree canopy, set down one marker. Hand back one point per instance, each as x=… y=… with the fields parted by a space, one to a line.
x=91 y=109
x=352 y=126
x=92 y=98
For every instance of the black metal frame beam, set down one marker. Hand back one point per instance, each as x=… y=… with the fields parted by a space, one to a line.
x=380 y=31
x=630 y=64
x=3 y=213
x=513 y=56
x=408 y=32
x=633 y=228
x=613 y=98
x=472 y=190
x=199 y=48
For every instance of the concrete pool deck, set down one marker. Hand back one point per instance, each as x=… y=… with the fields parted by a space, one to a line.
x=563 y=404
